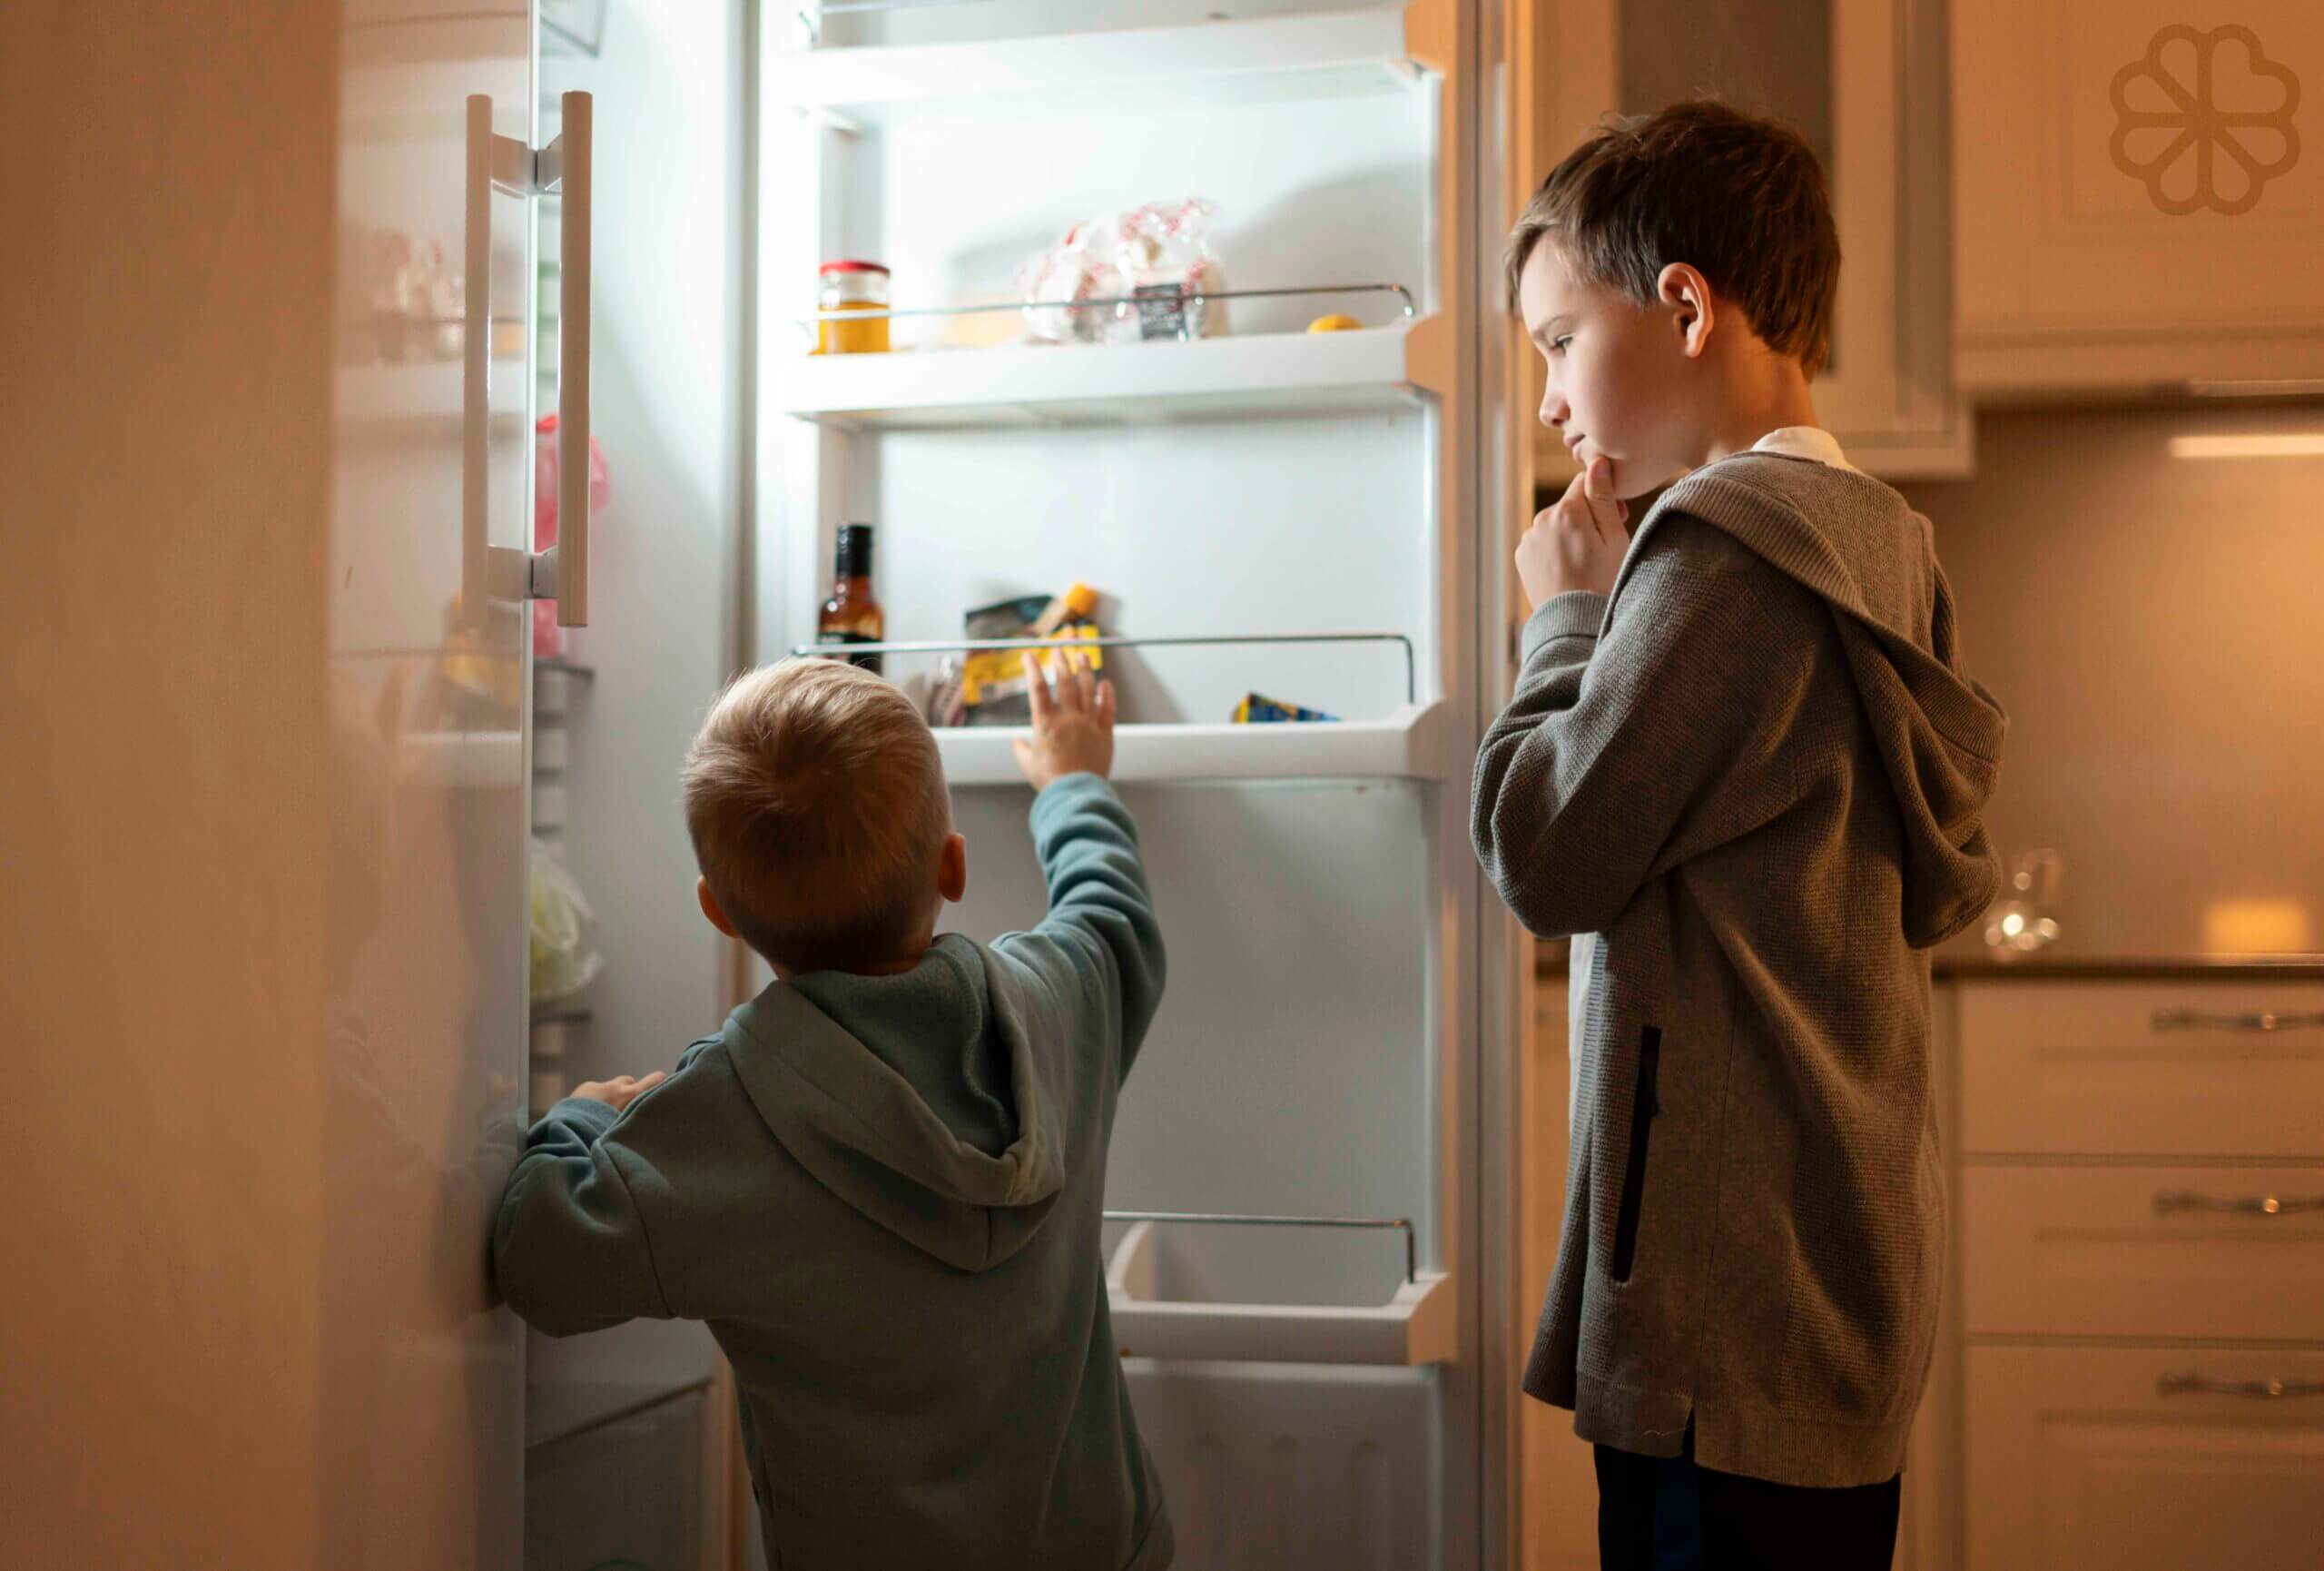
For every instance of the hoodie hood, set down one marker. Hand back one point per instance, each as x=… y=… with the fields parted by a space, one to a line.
x=1855 y=543
x=862 y=1130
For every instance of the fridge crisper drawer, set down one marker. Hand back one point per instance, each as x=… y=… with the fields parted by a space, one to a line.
x=1172 y=1299
x=1292 y=1468
x=2230 y=1069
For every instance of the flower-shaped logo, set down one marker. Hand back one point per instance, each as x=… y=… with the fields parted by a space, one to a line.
x=2204 y=119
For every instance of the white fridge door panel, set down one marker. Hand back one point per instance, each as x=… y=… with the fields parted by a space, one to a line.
x=662 y=405
x=422 y=1395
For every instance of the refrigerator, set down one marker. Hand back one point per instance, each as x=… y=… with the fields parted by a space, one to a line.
x=616 y=213
x=1309 y=1270
x=509 y=718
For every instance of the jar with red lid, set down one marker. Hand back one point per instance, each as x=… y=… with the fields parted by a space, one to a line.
x=852 y=286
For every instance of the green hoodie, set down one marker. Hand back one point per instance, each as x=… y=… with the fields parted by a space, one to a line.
x=883 y=1195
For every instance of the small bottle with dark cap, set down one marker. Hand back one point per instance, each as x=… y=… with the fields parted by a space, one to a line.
x=852 y=615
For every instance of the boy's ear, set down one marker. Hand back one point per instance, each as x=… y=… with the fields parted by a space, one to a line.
x=1684 y=289
x=952 y=868
x=710 y=908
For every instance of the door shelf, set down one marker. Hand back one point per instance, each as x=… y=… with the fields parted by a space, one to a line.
x=1408 y=744
x=1371 y=370
x=1419 y=1324
x=1335 y=54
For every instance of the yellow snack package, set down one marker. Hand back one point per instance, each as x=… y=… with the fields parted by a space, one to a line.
x=992 y=681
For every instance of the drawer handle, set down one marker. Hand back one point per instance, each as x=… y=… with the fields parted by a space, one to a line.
x=2270 y=1389
x=2169 y=1200
x=2266 y=1020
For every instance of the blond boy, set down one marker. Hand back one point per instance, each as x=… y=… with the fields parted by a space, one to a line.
x=880 y=1183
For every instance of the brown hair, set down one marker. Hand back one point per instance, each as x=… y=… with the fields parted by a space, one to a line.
x=816 y=800
x=1740 y=199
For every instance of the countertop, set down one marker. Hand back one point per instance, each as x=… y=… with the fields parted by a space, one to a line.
x=1550 y=960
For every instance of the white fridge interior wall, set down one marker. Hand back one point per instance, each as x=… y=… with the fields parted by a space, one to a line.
x=1294 y=1031
x=1211 y=529
x=665 y=402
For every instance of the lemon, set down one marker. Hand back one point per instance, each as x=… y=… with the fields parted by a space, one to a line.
x=1334 y=323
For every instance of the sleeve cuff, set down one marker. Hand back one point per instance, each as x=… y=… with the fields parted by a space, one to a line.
x=592 y=1117
x=1578 y=614
x=1059 y=794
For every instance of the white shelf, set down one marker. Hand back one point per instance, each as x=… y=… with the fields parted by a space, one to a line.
x=1335 y=54
x=1408 y=744
x=1293 y=373
x=1419 y=1325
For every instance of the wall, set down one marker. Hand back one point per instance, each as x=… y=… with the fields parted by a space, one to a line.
x=2152 y=623
x=165 y=311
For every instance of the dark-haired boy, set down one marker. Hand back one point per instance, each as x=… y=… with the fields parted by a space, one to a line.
x=1743 y=755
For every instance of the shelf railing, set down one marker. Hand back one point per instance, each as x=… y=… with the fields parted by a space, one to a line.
x=1186 y=303
x=981 y=645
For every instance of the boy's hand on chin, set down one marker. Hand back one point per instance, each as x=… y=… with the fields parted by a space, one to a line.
x=1073 y=723
x=1578 y=541
x=619 y=1091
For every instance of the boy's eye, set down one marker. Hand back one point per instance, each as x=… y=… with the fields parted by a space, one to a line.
x=1557 y=345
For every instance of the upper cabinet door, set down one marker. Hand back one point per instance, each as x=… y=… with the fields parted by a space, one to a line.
x=1862 y=82
x=2138 y=191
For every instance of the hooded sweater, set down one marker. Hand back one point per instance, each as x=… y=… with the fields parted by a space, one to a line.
x=883 y=1196
x=1756 y=771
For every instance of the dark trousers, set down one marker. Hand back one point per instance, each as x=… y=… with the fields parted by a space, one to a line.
x=1671 y=1515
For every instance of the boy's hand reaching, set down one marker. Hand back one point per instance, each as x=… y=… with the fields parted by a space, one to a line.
x=619 y=1091
x=1073 y=723
x=1578 y=541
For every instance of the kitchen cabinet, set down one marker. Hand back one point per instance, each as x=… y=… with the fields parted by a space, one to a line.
x=2138 y=1223
x=2137 y=189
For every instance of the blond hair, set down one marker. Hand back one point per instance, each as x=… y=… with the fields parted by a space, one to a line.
x=817 y=804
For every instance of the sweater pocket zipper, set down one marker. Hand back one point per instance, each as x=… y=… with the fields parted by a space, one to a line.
x=1644 y=1106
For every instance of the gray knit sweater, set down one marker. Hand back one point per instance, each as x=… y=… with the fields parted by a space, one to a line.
x=1756 y=771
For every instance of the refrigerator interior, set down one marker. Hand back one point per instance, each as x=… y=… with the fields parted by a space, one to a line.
x=1309 y=1396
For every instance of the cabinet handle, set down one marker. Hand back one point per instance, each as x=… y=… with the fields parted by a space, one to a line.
x=2169 y=1200
x=2270 y=1389
x=2265 y=1020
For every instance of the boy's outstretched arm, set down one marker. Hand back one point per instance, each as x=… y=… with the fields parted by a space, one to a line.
x=1585 y=786
x=569 y=1251
x=1101 y=916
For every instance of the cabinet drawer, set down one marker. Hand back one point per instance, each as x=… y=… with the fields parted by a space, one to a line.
x=2108 y=1459
x=2142 y=1252
x=2207 y=1069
